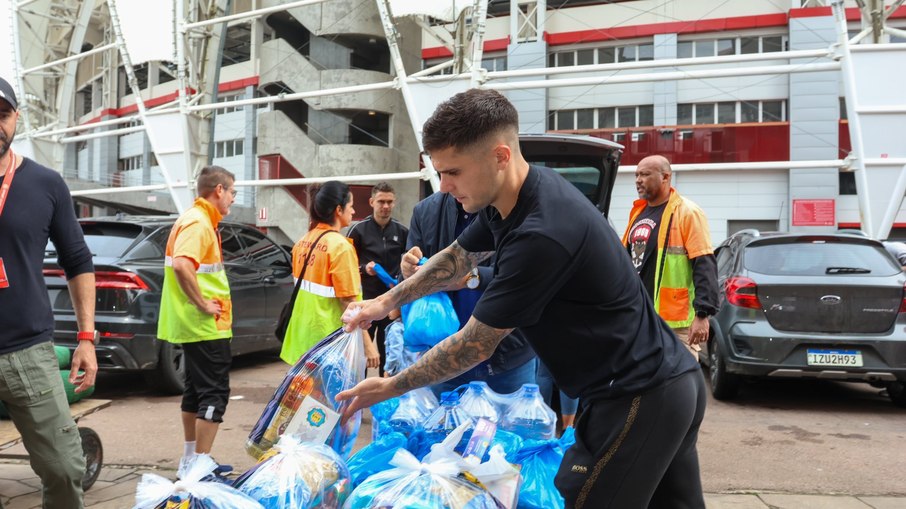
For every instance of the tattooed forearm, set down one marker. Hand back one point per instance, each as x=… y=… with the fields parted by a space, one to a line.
x=443 y=270
x=452 y=356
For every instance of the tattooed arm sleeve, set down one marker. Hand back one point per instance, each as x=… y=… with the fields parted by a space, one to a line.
x=452 y=356
x=444 y=269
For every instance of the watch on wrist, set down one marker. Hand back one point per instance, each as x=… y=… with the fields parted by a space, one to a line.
x=474 y=280
x=702 y=314
x=92 y=336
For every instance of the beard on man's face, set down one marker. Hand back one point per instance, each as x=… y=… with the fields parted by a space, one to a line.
x=5 y=143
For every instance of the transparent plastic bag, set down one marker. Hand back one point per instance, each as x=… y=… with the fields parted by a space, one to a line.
x=404 y=414
x=297 y=475
x=304 y=404
x=398 y=356
x=540 y=460
x=428 y=321
x=192 y=492
x=528 y=415
x=415 y=485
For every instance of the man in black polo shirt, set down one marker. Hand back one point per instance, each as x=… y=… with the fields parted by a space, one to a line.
x=563 y=278
x=379 y=239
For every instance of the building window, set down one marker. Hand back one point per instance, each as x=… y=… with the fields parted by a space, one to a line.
x=847 y=182
x=490 y=64
x=729 y=113
x=619 y=137
x=131 y=163
x=229 y=148
x=607 y=118
x=730 y=46
x=585 y=118
x=605 y=55
x=843 y=108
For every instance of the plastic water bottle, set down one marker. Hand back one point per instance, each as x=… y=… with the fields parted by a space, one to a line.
x=445 y=418
x=528 y=416
x=478 y=403
x=407 y=415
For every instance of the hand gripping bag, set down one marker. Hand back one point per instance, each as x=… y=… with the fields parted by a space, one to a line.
x=304 y=404
x=297 y=475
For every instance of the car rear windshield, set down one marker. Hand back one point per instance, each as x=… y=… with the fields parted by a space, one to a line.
x=105 y=239
x=818 y=258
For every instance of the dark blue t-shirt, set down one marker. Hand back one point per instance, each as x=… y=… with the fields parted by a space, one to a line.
x=38 y=207
x=564 y=278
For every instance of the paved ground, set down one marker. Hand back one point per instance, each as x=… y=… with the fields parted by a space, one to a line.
x=115 y=489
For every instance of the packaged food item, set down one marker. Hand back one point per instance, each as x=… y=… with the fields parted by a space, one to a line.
x=528 y=416
x=194 y=491
x=297 y=475
x=304 y=403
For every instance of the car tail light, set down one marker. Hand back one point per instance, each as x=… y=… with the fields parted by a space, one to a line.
x=116 y=335
x=742 y=292
x=119 y=280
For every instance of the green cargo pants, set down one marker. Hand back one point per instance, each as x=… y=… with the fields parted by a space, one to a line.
x=32 y=390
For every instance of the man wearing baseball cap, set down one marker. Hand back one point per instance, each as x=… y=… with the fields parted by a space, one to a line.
x=35 y=205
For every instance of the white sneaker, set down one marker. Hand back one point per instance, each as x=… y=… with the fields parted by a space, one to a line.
x=184 y=463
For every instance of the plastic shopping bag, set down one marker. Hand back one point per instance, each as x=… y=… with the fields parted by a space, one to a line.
x=540 y=460
x=192 y=492
x=415 y=485
x=297 y=475
x=375 y=457
x=305 y=402
x=428 y=321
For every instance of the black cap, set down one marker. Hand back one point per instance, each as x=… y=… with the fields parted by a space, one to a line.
x=8 y=94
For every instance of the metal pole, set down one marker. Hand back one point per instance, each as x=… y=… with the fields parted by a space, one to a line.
x=17 y=65
x=70 y=58
x=479 y=18
x=668 y=62
x=852 y=114
x=753 y=166
x=402 y=83
x=251 y=14
x=104 y=134
x=676 y=75
x=136 y=92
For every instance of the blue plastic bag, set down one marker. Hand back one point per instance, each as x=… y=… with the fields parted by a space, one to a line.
x=375 y=457
x=540 y=460
x=428 y=321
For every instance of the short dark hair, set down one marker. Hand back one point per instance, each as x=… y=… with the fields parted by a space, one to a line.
x=210 y=177
x=382 y=187
x=467 y=118
x=330 y=195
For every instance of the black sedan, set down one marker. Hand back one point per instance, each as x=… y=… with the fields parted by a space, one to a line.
x=129 y=264
x=808 y=306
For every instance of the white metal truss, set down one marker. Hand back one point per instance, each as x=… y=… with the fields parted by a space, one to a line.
x=466 y=45
x=877 y=120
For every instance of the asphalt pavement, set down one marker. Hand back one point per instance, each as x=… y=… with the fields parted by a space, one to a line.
x=115 y=489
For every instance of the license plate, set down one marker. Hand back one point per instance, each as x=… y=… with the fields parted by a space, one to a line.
x=852 y=358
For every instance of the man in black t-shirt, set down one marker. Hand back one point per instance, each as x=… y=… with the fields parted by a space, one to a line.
x=379 y=239
x=35 y=206
x=562 y=277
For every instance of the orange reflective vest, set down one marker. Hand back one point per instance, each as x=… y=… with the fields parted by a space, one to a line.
x=195 y=236
x=686 y=236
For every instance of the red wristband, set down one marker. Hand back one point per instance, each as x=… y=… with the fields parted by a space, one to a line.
x=87 y=336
